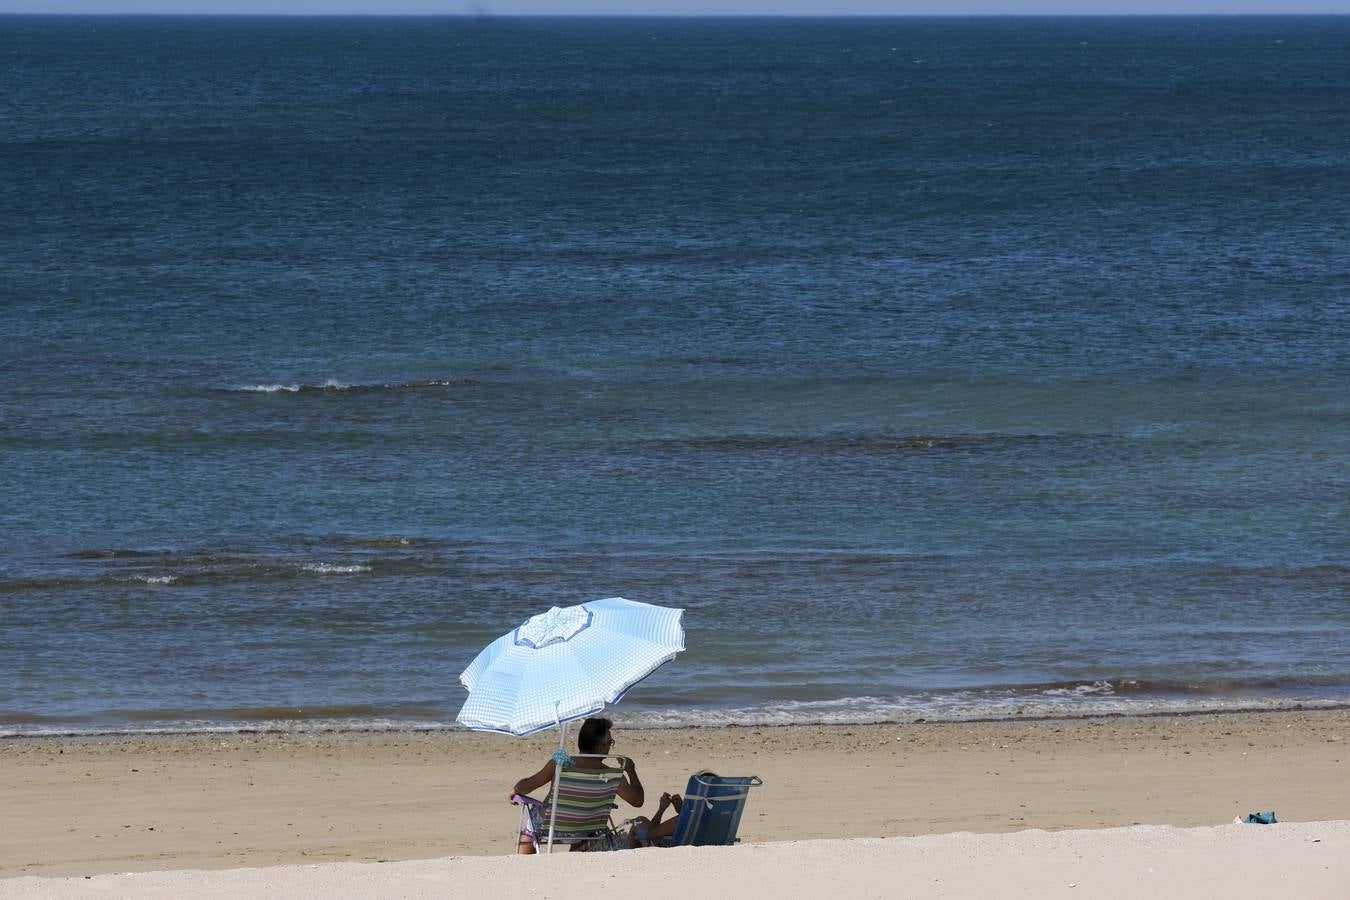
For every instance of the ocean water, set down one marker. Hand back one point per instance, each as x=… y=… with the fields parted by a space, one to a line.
x=939 y=368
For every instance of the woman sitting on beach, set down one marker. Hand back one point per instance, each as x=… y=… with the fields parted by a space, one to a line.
x=594 y=738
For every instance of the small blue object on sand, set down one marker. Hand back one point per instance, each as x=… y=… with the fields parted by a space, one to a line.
x=1261 y=818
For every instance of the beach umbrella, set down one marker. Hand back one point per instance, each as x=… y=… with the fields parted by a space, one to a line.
x=565 y=664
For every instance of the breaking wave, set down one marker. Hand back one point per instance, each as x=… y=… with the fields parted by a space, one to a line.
x=332 y=386
x=334 y=568
x=1071 y=700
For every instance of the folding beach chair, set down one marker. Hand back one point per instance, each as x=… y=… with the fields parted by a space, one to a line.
x=585 y=798
x=712 y=809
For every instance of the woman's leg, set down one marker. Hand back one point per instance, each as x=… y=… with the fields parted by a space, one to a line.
x=530 y=824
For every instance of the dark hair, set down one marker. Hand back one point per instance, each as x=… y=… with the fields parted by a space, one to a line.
x=592 y=730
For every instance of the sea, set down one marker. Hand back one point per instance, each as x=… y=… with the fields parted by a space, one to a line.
x=938 y=368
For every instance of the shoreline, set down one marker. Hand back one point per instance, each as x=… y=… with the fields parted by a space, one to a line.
x=94 y=805
x=298 y=726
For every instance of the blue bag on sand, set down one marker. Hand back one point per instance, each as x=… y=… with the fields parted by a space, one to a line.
x=1264 y=818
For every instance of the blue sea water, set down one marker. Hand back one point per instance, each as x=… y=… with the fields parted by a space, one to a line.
x=939 y=368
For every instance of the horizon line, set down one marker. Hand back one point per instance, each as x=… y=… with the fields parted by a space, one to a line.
x=655 y=15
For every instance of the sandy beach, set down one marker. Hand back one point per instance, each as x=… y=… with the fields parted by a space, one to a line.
x=92 y=806
x=1306 y=860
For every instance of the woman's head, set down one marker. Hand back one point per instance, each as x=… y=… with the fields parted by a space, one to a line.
x=594 y=734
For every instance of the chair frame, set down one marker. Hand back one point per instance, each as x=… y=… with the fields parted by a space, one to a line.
x=704 y=793
x=528 y=803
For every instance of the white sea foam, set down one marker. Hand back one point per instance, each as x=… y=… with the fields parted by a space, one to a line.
x=203 y=726
x=331 y=384
x=334 y=386
x=1102 y=688
x=334 y=568
x=153 y=579
x=852 y=711
x=867 y=710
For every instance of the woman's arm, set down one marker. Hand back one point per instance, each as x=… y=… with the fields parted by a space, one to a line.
x=630 y=788
x=532 y=782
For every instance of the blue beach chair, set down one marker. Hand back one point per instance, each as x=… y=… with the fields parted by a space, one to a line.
x=712 y=809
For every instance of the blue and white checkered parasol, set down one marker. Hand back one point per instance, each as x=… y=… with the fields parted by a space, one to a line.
x=567 y=663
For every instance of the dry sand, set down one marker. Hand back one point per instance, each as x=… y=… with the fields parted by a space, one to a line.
x=1307 y=860
x=81 y=807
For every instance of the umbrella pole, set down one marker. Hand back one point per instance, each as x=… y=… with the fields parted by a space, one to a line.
x=557 y=776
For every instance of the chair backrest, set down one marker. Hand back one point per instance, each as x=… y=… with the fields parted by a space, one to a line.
x=585 y=798
x=712 y=809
